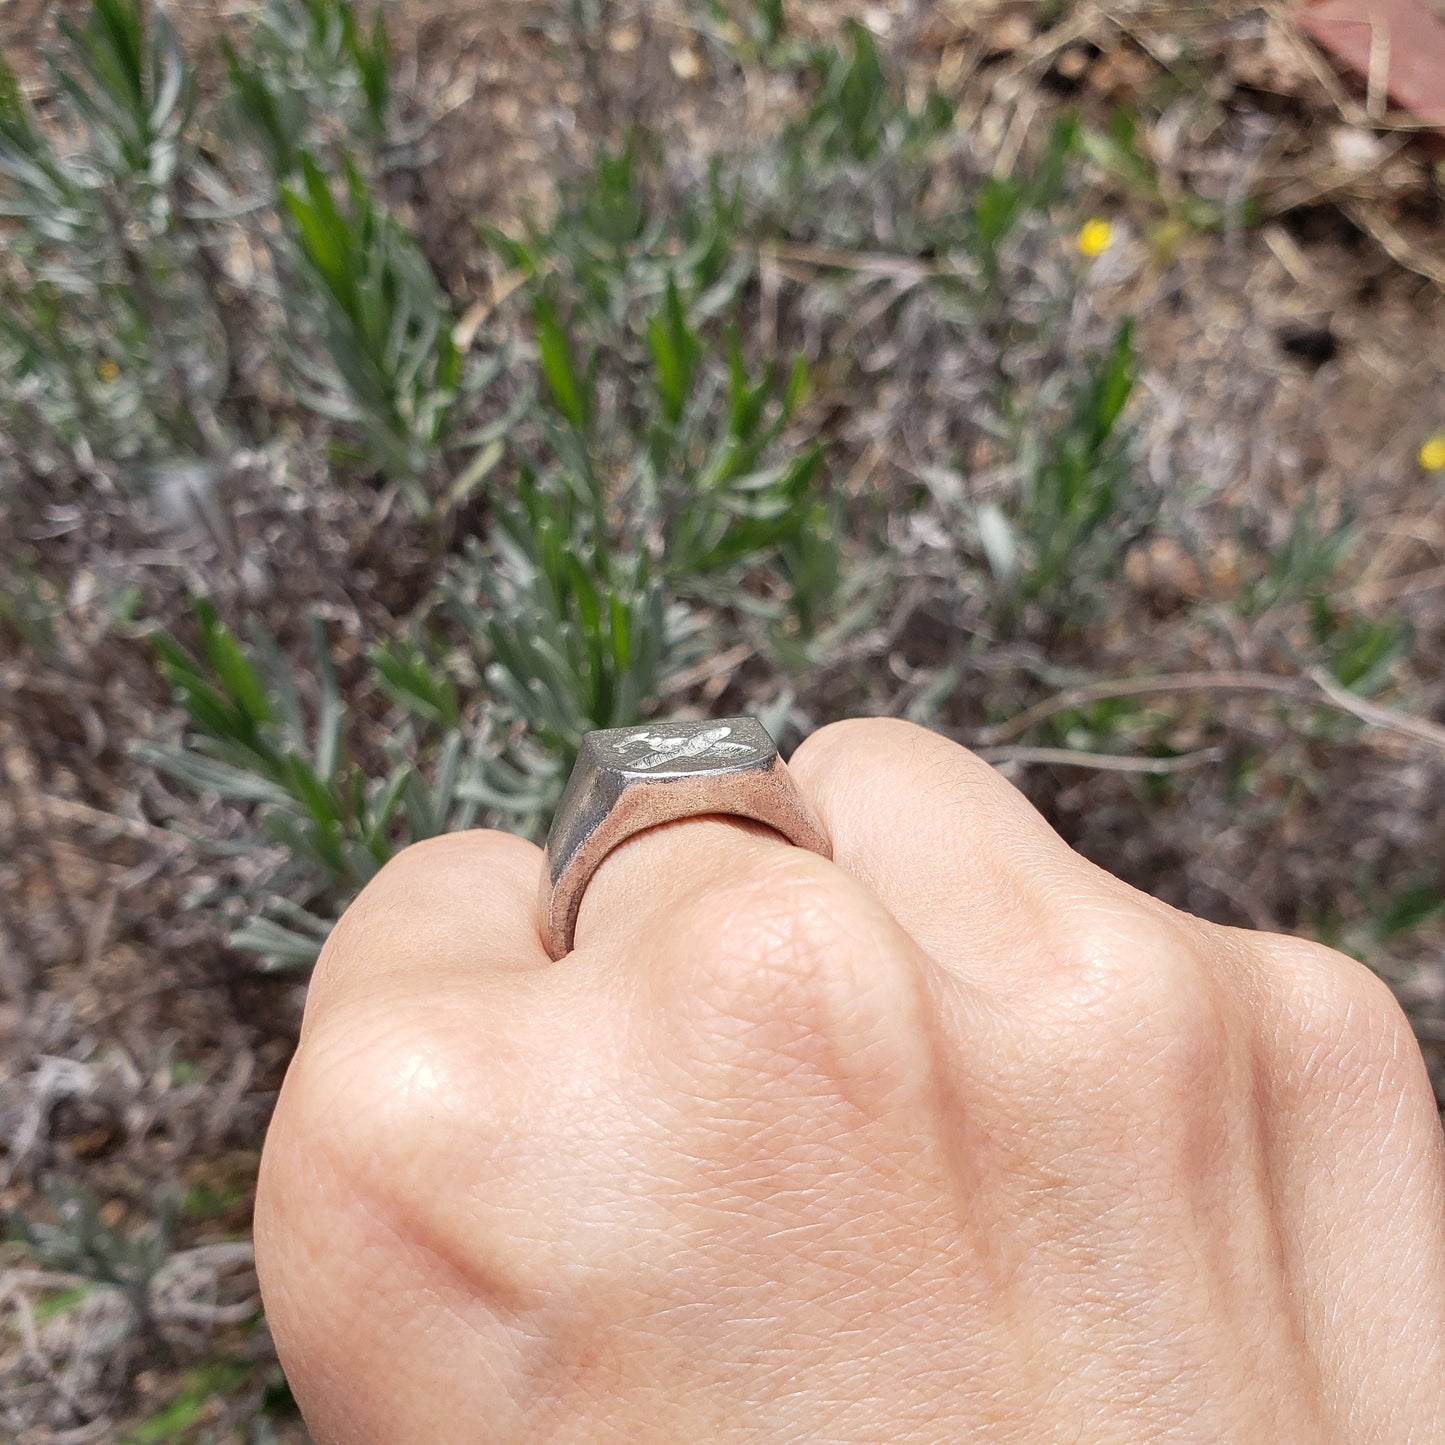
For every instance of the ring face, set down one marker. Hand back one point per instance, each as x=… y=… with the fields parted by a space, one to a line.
x=688 y=747
x=629 y=779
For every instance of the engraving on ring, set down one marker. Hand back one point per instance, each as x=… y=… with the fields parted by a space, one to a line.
x=708 y=744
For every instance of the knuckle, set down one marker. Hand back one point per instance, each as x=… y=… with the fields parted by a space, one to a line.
x=790 y=912
x=796 y=964
x=361 y=1093
x=422 y=881
x=1113 y=962
x=345 y=934
x=1344 y=1032
x=390 y=1142
x=1129 y=1003
x=396 y=1089
x=852 y=734
x=905 y=757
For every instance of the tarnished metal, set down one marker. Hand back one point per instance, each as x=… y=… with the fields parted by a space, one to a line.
x=629 y=779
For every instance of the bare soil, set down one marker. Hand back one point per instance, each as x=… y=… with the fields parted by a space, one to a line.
x=1302 y=352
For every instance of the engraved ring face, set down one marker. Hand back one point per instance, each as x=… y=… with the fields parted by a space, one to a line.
x=629 y=779
x=664 y=746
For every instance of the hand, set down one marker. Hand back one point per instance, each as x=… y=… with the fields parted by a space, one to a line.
x=956 y=1138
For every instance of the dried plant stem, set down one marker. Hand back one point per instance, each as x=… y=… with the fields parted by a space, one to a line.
x=1421 y=729
x=1316 y=688
x=876 y=263
x=1103 y=762
x=1393 y=243
x=722 y=665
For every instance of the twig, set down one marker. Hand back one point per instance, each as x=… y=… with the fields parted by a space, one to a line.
x=1400 y=250
x=95 y=1431
x=885 y=298
x=1393 y=588
x=112 y=824
x=36 y=1278
x=1287 y=31
x=1234 y=891
x=711 y=667
x=1317 y=687
x=1377 y=78
x=874 y=263
x=1042 y=50
x=1421 y=729
x=1102 y=762
x=1137 y=687
x=1290 y=255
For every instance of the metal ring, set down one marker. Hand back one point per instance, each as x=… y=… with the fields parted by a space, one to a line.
x=629 y=779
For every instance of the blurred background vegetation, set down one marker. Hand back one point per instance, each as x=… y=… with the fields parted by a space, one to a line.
x=391 y=393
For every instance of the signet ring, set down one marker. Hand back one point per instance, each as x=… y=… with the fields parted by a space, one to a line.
x=628 y=779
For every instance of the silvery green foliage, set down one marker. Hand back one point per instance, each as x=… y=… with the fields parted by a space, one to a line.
x=314 y=74
x=965 y=300
x=118 y=323
x=387 y=363
x=658 y=488
x=666 y=500
x=368 y=341
x=675 y=441
x=80 y=1242
x=320 y=818
x=110 y=347
x=658 y=506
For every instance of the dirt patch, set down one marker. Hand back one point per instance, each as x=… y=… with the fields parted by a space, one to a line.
x=1282 y=253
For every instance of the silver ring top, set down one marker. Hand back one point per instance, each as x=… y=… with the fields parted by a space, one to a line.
x=628 y=779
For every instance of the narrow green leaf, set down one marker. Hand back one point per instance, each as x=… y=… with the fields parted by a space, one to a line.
x=557 y=365
x=231 y=666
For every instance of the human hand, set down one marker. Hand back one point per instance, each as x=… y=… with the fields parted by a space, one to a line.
x=956 y=1138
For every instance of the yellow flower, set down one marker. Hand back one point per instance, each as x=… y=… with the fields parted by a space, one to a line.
x=1095 y=236
x=106 y=369
x=1432 y=454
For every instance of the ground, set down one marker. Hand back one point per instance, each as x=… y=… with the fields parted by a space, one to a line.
x=1293 y=353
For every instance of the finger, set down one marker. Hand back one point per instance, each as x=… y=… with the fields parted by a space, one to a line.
x=451 y=912
x=956 y=853
x=1357 y=1164
x=728 y=948
x=657 y=873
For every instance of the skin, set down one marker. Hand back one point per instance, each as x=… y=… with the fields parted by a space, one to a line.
x=956 y=1138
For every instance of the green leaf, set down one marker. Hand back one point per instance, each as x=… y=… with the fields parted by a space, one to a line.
x=773 y=20
x=236 y=674
x=116 y=34
x=996 y=208
x=676 y=350
x=1412 y=909
x=797 y=388
x=276 y=115
x=861 y=92
x=621 y=629
x=58 y=1302
x=198 y=1388
x=370 y=55
x=1050 y=173
x=557 y=366
x=384 y=809
x=279 y=947
x=1116 y=384
x=325 y=237
x=210 y=709
x=408 y=676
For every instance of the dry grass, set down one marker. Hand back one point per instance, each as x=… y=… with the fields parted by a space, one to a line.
x=1293 y=350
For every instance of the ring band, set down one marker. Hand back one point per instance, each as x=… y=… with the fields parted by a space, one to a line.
x=628 y=779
